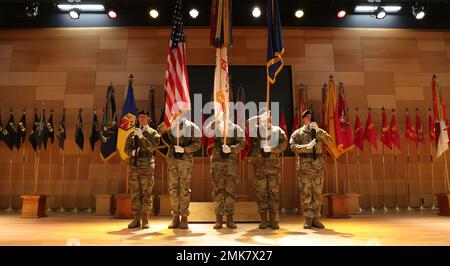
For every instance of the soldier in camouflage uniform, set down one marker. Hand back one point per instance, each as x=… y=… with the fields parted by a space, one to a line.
x=310 y=169
x=265 y=158
x=224 y=168
x=180 y=161
x=141 y=177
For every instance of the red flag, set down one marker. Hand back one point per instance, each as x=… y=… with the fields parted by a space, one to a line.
x=419 y=128
x=394 y=131
x=386 y=136
x=431 y=127
x=296 y=122
x=410 y=130
x=283 y=124
x=370 y=132
x=359 y=134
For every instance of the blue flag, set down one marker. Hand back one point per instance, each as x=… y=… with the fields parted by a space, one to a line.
x=109 y=127
x=127 y=121
x=275 y=47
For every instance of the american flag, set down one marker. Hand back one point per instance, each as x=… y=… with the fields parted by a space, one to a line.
x=176 y=82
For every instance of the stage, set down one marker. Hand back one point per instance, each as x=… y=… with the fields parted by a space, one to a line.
x=59 y=229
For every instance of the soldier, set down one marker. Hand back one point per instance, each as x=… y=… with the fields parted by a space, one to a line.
x=265 y=158
x=224 y=167
x=184 y=138
x=310 y=166
x=140 y=145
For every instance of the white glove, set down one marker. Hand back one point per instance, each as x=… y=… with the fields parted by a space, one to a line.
x=179 y=149
x=311 y=144
x=226 y=148
x=138 y=132
x=313 y=125
x=267 y=148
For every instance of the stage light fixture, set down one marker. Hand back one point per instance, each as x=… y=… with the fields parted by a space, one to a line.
x=112 y=13
x=299 y=13
x=32 y=9
x=373 y=8
x=380 y=13
x=256 y=12
x=153 y=13
x=418 y=11
x=74 y=13
x=193 y=13
x=341 y=13
x=82 y=7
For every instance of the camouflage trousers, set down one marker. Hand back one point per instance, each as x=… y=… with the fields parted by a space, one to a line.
x=140 y=184
x=179 y=177
x=310 y=180
x=267 y=184
x=224 y=180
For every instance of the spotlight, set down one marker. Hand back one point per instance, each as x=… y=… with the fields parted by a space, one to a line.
x=193 y=13
x=74 y=13
x=256 y=12
x=380 y=13
x=32 y=9
x=153 y=13
x=112 y=14
x=341 y=13
x=299 y=13
x=418 y=12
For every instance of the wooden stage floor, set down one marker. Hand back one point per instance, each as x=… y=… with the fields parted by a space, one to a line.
x=403 y=228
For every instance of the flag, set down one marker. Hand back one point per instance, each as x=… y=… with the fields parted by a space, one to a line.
x=127 y=120
x=40 y=132
x=431 y=127
x=108 y=146
x=440 y=118
x=336 y=148
x=240 y=120
x=419 y=129
x=283 y=124
x=410 y=132
x=62 y=131
x=301 y=98
x=386 y=137
x=79 y=136
x=295 y=122
x=49 y=131
x=3 y=131
x=151 y=107
x=21 y=130
x=359 y=134
x=275 y=47
x=95 y=131
x=324 y=122
x=221 y=33
x=394 y=131
x=33 y=131
x=370 y=132
x=176 y=83
x=346 y=126
x=11 y=138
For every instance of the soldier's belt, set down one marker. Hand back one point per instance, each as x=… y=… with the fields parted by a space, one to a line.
x=144 y=154
x=309 y=155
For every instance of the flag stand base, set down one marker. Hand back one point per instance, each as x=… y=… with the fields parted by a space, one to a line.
x=34 y=206
x=338 y=206
x=123 y=206
x=444 y=203
x=353 y=203
x=104 y=204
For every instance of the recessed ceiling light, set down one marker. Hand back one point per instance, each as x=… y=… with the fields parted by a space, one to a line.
x=193 y=13
x=74 y=14
x=153 y=13
x=299 y=13
x=112 y=14
x=256 y=12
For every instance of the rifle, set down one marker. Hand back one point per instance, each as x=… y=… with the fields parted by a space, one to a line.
x=136 y=146
x=313 y=134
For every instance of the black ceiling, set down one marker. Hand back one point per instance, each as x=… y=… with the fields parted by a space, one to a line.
x=318 y=13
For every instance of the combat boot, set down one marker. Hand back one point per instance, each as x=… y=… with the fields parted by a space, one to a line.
x=184 y=222
x=308 y=223
x=273 y=221
x=263 y=224
x=219 y=221
x=145 y=220
x=175 y=222
x=230 y=222
x=136 y=221
x=317 y=224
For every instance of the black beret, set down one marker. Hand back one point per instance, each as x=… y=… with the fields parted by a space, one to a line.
x=306 y=112
x=143 y=112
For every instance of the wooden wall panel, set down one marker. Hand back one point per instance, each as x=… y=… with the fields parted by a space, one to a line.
x=72 y=68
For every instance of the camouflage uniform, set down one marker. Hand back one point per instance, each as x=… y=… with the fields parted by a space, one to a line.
x=267 y=168
x=141 y=178
x=224 y=170
x=310 y=171
x=180 y=165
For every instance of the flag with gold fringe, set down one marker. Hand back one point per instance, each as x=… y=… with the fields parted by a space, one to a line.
x=127 y=122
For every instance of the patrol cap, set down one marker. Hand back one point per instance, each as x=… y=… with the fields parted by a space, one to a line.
x=143 y=112
x=306 y=112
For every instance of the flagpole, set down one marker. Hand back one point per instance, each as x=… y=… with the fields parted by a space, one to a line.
x=396 y=183
x=446 y=181
x=358 y=166
x=37 y=172
x=61 y=208
x=23 y=169
x=384 y=178
x=433 y=207
x=105 y=171
x=10 y=209
x=49 y=209
x=336 y=180
x=90 y=181
x=77 y=182
x=371 y=174
x=407 y=177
